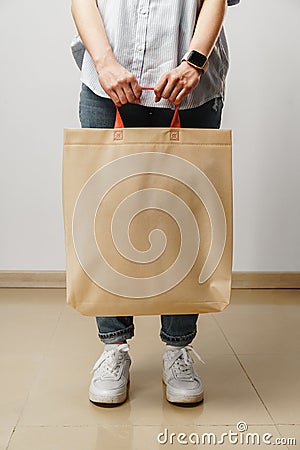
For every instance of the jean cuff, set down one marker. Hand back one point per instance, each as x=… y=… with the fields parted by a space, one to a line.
x=116 y=336
x=178 y=341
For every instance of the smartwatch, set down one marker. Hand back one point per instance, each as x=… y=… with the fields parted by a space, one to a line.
x=196 y=59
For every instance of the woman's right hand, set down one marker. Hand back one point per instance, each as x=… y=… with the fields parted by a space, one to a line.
x=120 y=84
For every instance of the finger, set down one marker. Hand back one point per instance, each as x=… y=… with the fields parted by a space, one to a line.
x=121 y=96
x=172 y=85
x=174 y=94
x=187 y=89
x=159 y=88
x=129 y=94
x=180 y=96
x=136 y=89
x=115 y=98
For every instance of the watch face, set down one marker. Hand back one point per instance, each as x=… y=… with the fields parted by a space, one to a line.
x=197 y=58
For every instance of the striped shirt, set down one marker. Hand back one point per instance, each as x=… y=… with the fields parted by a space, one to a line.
x=149 y=38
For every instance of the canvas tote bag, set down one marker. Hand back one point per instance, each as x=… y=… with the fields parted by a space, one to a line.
x=148 y=219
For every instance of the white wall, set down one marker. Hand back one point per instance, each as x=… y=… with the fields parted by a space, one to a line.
x=39 y=96
x=263 y=110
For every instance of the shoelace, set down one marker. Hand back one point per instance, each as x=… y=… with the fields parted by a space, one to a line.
x=110 y=361
x=182 y=362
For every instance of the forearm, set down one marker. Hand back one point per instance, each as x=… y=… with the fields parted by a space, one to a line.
x=121 y=85
x=90 y=27
x=208 y=26
x=183 y=79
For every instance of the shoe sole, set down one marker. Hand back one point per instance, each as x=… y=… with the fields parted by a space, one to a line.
x=173 y=398
x=109 y=400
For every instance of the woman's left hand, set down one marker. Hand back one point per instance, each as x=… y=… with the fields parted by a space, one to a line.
x=177 y=83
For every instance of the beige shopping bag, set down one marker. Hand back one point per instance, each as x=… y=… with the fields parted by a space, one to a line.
x=148 y=220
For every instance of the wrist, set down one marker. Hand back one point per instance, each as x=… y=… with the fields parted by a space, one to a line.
x=107 y=58
x=188 y=66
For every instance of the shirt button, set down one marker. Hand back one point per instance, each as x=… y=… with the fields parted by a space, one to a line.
x=140 y=48
x=144 y=12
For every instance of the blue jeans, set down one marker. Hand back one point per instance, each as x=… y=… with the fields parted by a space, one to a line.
x=99 y=112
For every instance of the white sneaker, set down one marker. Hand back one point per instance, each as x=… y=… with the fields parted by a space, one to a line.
x=183 y=384
x=111 y=375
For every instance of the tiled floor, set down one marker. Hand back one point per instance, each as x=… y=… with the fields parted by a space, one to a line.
x=251 y=375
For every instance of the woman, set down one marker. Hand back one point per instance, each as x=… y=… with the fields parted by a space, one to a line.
x=179 y=48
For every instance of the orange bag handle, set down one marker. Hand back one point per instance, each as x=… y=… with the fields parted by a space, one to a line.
x=174 y=124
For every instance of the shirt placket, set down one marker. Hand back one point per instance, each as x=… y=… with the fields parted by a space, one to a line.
x=140 y=41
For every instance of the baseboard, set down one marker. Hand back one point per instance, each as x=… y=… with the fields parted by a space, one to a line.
x=240 y=280
x=266 y=280
x=32 y=279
